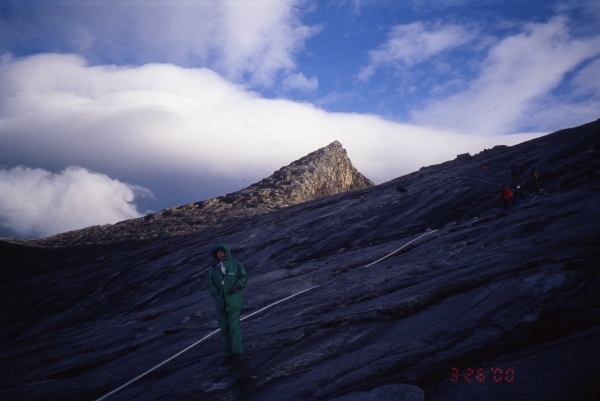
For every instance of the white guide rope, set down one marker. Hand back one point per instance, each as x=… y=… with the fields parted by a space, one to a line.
x=410 y=242
x=157 y=366
x=196 y=343
x=243 y=318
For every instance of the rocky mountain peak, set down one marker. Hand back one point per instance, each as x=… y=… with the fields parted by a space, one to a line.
x=324 y=172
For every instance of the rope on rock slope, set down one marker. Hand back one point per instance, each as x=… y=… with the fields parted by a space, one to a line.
x=244 y=318
x=196 y=343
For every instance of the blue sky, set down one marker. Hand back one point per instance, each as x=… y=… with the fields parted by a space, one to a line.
x=109 y=109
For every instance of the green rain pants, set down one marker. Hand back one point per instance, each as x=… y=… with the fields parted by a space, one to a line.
x=231 y=333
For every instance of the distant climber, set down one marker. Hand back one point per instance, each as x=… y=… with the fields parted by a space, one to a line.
x=518 y=195
x=514 y=171
x=484 y=170
x=590 y=173
x=505 y=196
x=225 y=282
x=534 y=175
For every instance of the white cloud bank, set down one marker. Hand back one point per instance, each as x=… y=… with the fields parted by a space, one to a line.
x=157 y=117
x=138 y=124
x=36 y=202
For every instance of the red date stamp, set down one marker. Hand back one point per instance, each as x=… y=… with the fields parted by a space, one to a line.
x=479 y=375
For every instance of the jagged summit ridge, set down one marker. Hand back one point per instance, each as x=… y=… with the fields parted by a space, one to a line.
x=324 y=172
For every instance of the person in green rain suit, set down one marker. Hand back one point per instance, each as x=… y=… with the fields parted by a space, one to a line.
x=225 y=282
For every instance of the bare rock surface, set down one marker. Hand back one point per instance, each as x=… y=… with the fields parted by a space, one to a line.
x=490 y=304
x=325 y=172
x=391 y=392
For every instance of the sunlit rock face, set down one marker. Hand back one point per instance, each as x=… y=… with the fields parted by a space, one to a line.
x=473 y=302
x=325 y=172
x=328 y=171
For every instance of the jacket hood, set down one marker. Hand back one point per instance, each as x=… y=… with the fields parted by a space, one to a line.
x=225 y=248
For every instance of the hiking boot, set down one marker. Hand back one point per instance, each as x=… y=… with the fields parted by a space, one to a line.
x=233 y=359
x=227 y=359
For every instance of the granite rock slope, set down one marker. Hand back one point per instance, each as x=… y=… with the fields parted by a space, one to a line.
x=486 y=289
x=324 y=172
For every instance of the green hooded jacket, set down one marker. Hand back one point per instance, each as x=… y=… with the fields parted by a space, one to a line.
x=219 y=284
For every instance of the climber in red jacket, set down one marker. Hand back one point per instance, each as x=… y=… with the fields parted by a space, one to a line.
x=505 y=196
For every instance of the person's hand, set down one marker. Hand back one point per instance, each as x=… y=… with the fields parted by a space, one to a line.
x=233 y=289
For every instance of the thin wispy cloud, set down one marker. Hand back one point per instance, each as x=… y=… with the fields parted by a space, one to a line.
x=300 y=82
x=249 y=41
x=411 y=44
x=517 y=72
x=587 y=81
x=581 y=102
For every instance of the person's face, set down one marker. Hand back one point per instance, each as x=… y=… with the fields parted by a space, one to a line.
x=221 y=255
